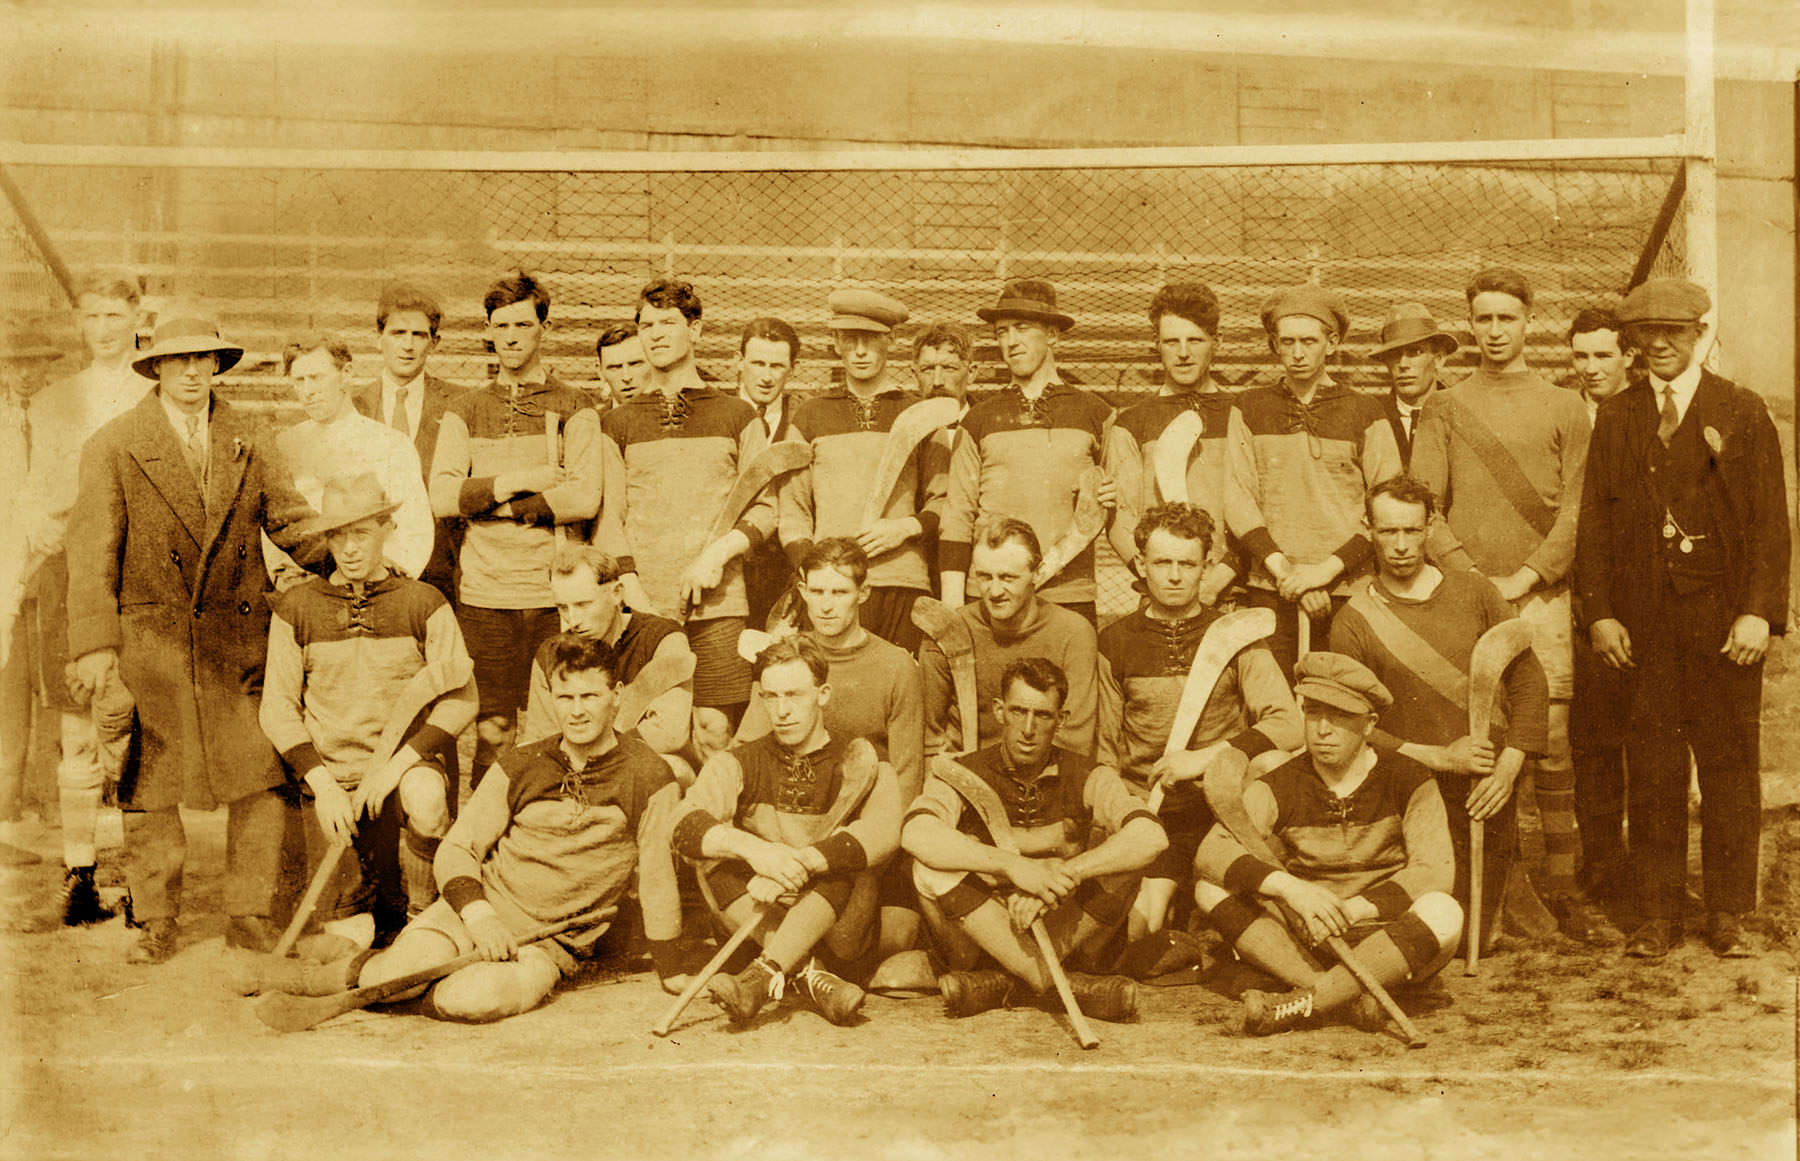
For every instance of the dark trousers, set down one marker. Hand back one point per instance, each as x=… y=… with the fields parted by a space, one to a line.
x=1499 y=845
x=156 y=849
x=1688 y=695
x=1598 y=716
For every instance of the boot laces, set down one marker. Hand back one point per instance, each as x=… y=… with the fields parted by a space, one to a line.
x=1297 y=1006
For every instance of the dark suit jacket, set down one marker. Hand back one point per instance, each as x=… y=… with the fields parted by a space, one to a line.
x=1618 y=547
x=174 y=583
x=1392 y=410
x=440 y=570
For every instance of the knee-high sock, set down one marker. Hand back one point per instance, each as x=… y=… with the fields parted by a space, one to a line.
x=1404 y=949
x=416 y=855
x=1556 y=805
x=1263 y=941
x=80 y=813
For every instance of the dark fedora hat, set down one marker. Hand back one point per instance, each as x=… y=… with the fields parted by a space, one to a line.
x=1408 y=323
x=1027 y=298
x=349 y=498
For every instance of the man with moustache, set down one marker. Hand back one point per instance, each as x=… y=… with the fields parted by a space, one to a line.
x=1185 y=319
x=495 y=468
x=1412 y=349
x=848 y=427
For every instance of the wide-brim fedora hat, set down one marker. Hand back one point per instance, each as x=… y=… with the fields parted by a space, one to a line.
x=23 y=342
x=1408 y=323
x=1027 y=298
x=185 y=329
x=350 y=498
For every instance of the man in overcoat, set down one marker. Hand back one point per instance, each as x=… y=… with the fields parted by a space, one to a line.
x=166 y=585
x=1681 y=568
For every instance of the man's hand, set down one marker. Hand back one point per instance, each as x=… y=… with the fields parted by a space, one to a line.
x=1360 y=910
x=814 y=861
x=884 y=536
x=337 y=816
x=1107 y=493
x=1613 y=643
x=1304 y=578
x=702 y=575
x=372 y=792
x=1041 y=879
x=493 y=939
x=92 y=670
x=1748 y=641
x=1468 y=755
x=525 y=481
x=781 y=863
x=1515 y=585
x=1024 y=910
x=1321 y=911
x=763 y=889
x=1185 y=765
x=711 y=731
x=1316 y=603
x=1488 y=796
x=1277 y=566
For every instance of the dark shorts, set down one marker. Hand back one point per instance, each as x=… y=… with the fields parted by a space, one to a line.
x=1185 y=819
x=501 y=644
x=1107 y=899
x=721 y=677
x=888 y=614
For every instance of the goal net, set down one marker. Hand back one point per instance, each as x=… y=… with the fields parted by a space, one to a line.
x=289 y=246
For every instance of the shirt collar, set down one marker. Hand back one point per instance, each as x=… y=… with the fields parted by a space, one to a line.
x=1685 y=384
x=178 y=418
x=538 y=378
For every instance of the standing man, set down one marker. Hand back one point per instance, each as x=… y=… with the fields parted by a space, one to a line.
x=1415 y=627
x=1184 y=317
x=1009 y=620
x=848 y=427
x=679 y=446
x=1022 y=451
x=943 y=358
x=1412 y=349
x=1683 y=572
x=1077 y=841
x=63 y=418
x=1370 y=856
x=757 y=809
x=1302 y=455
x=516 y=459
x=622 y=365
x=1601 y=705
x=768 y=350
x=1504 y=451
x=166 y=585
x=1144 y=662
x=410 y=399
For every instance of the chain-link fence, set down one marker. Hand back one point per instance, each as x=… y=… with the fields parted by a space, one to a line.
x=278 y=250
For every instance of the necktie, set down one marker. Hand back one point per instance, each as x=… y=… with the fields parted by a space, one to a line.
x=1671 y=418
x=195 y=456
x=1406 y=417
x=401 y=420
x=25 y=428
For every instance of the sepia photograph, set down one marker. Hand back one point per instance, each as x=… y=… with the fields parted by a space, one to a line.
x=794 y=579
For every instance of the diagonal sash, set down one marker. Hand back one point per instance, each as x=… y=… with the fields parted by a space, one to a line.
x=1410 y=649
x=1507 y=474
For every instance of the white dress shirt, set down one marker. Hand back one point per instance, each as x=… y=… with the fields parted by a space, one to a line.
x=415 y=399
x=1685 y=384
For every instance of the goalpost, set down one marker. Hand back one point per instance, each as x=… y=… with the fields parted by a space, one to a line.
x=282 y=240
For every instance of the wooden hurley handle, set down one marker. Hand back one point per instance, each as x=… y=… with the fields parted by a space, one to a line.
x=1084 y=1032
x=310 y=901
x=1477 y=859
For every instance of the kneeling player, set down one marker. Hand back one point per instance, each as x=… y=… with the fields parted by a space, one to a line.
x=1022 y=831
x=1366 y=834
x=801 y=823
x=554 y=832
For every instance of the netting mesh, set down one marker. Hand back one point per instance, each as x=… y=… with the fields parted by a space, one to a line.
x=278 y=250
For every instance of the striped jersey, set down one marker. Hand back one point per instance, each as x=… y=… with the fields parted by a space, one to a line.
x=1131 y=459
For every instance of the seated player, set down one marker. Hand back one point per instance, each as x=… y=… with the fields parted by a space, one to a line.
x=1077 y=840
x=1144 y=663
x=801 y=823
x=875 y=695
x=590 y=602
x=556 y=831
x=356 y=663
x=1369 y=846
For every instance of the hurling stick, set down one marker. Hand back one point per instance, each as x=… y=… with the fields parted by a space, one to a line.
x=911 y=428
x=982 y=799
x=1225 y=638
x=1496 y=650
x=1089 y=519
x=861 y=767
x=764 y=468
x=552 y=423
x=309 y=902
x=1174 y=448
x=1224 y=789
x=951 y=633
x=659 y=676
x=287 y=1013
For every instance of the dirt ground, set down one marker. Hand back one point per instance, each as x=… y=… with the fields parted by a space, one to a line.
x=1552 y=1051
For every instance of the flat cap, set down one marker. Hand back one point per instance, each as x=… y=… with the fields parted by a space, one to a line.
x=1311 y=301
x=1341 y=681
x=864 y=310
x=1665 y=300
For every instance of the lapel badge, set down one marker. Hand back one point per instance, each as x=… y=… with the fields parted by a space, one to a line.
x=237 y=447
x=1714 y=440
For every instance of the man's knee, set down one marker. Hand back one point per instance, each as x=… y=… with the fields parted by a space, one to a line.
x=483 y=992
x=1442 y=914
x=79 y=767
x=1208 y=895
x=494 y=731
x=423 y=798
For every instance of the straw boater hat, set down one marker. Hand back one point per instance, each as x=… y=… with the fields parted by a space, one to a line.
x=1408 y=323
x=1027 y=298
x=181 y=329
x=348 y=499
x=864 y=310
